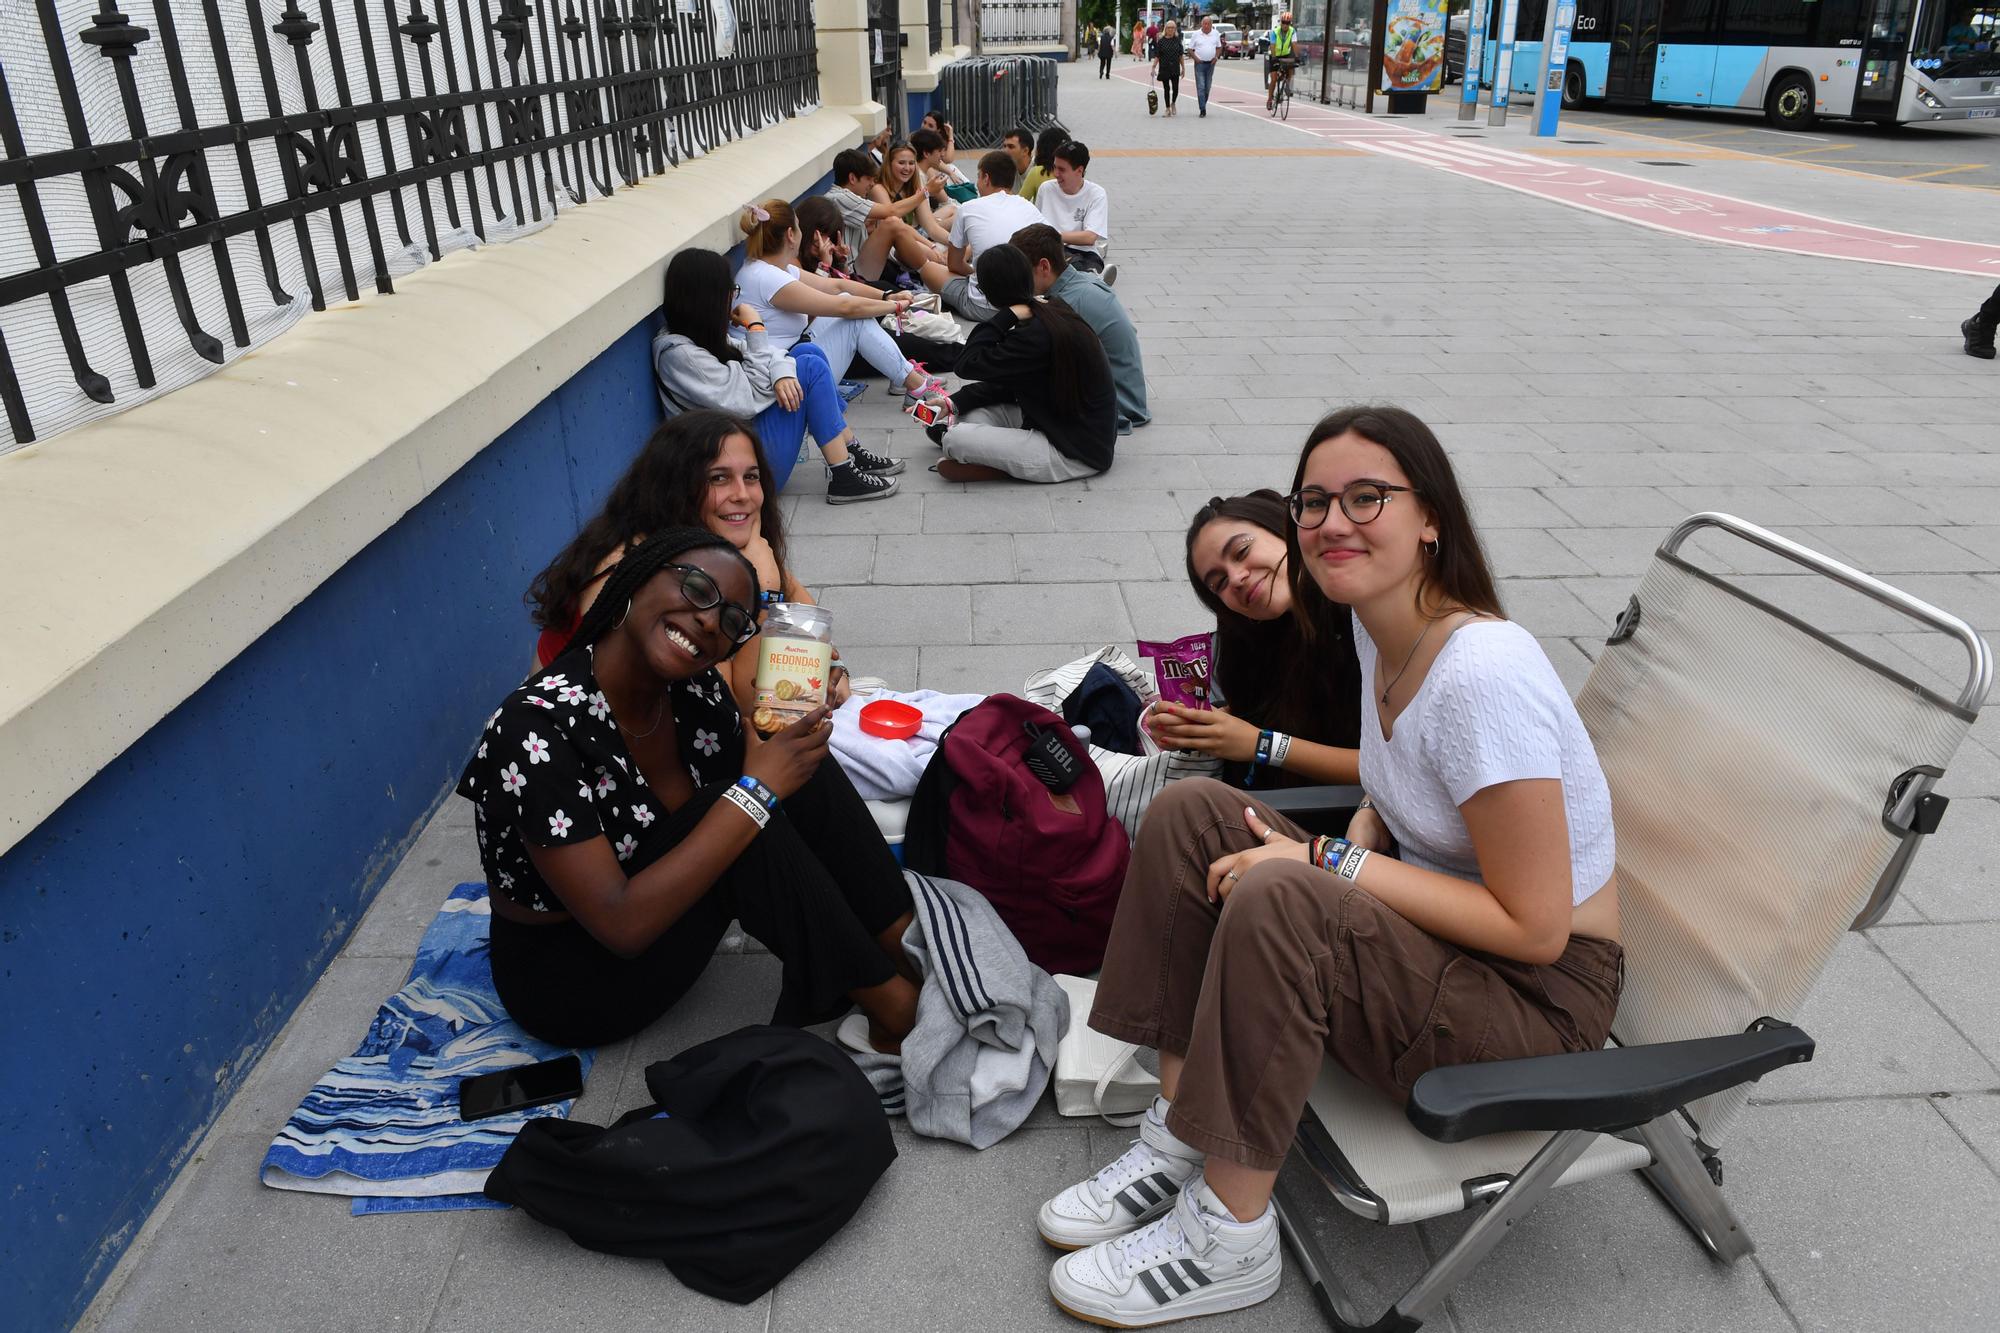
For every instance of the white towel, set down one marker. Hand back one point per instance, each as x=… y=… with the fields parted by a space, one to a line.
x=884 y=770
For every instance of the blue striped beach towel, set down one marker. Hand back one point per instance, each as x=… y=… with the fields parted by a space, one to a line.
x=383 y=1124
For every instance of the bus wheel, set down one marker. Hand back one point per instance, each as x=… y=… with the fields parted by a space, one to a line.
x=1790 y=105
x=1573 y=87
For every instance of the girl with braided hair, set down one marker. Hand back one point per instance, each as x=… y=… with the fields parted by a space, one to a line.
x=622 y=825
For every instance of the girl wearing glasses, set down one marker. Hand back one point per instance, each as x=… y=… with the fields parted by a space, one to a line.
x=1247 y=952
x=1273 y=671
x=622 y=824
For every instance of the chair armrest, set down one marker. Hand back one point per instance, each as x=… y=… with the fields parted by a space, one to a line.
x=1605 y=1090
x=1308 y=800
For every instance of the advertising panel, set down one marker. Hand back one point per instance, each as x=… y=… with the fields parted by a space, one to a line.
x=1413 y=47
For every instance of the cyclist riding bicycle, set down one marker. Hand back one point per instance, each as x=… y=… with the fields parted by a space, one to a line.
x=1283 y=58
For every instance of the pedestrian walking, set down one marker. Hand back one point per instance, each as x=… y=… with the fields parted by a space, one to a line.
x=1205 y=47
x=1169 y=57
x=1105 y=47
x=1979 y=329
x=1152 y=38
x=1138 y=40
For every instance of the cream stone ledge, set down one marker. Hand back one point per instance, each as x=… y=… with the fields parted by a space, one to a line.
x=920 y=72
x=146 y=550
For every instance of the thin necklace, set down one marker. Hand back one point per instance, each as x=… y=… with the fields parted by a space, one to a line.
x=1406 y=661
x=659 y=715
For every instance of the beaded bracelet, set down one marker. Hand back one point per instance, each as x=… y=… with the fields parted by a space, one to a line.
x=762 y=794
x=749 y=805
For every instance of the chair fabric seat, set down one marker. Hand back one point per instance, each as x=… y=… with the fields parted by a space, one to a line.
x=1417 y=1178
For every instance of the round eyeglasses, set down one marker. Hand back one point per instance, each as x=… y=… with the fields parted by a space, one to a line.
x=1361 y=501
x=698 y=586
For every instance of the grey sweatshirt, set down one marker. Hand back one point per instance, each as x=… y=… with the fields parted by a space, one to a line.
x=988 y=1022
x=689 y=378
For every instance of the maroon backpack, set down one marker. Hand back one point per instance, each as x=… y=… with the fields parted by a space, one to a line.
x=1012 y=805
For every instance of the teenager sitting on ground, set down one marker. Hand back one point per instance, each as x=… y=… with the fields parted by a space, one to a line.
x=843 y=314
x=1019 y=146
x=1291 y=674
x=1247 y=953
x=983 y=224
x=948 y=162
x=822 y=239
x=1044 y=162
x=1037 y=404
x=879 y=248
x=713 y=355
x=899 y=191
x=622 y=826
x=1087 y=294
x=1077 y=208
x=929 y=148
x=699 y=470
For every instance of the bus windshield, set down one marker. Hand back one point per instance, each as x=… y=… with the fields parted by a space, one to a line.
x=1958 y=39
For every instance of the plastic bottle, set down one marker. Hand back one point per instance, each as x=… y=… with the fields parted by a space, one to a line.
x=794 y=662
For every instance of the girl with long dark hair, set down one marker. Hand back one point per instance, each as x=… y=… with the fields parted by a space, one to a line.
x=699 y=470
x=1285 y=686
x=622 y=824
x=716 y=355
x=1038 y=404
x=901 y=190
x=1248 y=952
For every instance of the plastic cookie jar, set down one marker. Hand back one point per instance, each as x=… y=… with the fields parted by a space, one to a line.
x=794 y=662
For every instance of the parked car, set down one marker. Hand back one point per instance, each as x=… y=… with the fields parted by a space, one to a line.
x=1233 y=43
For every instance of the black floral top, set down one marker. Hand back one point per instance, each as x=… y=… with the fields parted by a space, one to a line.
x=552 y=770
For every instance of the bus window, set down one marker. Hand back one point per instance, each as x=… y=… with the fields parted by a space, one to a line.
x=1958 y=39
x=1840 y=23
x=1688 y=20
x=1767 y=22
x=1529 y=20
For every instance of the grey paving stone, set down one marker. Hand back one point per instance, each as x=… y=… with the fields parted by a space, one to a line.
x=995 y=669
x=1114 y=511
x=1877 y=1034
x=1902 y=549
x=1163 y=472
x=513 y=1272
x=1981 y=542
x=1619 y=507
x=994 y=509
x=898 y=513
x=1547 y=608
x=1977 y=1120
x=1915 y=1252
x=1570 y=662
x=1497 y=469
x=254 y=1259
x=1166 y=610
x=896 y=665
x=824 y=558
x=899 y=616
x=1615 y=552
x=1528 y=553
x=1056 y=613
x=1514 y=507
x=1067 y=557
x=1594 y=1257
x=444 y=854
x=1233 y=474
x=967 y=558
x=1953 y=966
x=1875 y=506
x=734 y=990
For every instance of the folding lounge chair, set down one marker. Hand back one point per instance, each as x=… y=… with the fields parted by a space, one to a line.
x=1770 y=785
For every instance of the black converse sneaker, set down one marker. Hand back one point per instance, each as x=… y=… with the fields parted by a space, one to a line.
x=1196 y=1260
x=874 y=463
x=848 y=484
x=1132 y=1191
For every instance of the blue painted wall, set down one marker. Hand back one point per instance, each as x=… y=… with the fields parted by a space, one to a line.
x=160 y=928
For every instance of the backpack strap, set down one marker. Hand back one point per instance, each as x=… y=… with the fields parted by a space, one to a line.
x=930 y=813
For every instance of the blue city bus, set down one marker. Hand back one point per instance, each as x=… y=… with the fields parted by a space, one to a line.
x=1795 y=60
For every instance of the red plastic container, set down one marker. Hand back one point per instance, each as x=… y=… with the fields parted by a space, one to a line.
x=891 y=719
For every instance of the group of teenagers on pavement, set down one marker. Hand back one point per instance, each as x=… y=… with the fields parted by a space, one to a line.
x=1468 y=910
x=1051 y=367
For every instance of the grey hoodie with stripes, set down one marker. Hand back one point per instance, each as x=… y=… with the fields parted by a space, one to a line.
x=988 y=1022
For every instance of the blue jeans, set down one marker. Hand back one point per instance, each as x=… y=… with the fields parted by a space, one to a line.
x=1204 y=74
x=823 y=413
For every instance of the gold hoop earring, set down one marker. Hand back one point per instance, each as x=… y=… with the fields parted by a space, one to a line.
x=1430 y=548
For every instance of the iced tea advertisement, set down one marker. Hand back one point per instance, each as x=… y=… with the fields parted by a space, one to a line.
x=1413 y=47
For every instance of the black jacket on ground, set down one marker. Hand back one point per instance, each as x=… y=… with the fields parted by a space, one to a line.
x=1010 y=361
x=758 y=1147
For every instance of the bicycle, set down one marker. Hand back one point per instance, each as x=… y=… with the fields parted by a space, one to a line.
x=1281 y=89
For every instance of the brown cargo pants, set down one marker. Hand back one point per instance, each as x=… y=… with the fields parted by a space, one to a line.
x=1297 y=965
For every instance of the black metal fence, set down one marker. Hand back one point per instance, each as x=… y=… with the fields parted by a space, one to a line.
x=885 y=59
x=172 y=179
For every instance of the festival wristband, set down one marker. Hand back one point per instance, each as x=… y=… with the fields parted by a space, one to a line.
x=749 y=805
x=1281 y=746
x=1350 y=864
x=763 y=794
x=1263 y=755
x=1329 y=854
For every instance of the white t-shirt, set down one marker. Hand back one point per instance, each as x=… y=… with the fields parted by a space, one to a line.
x=762 y=280
x=1205 y=47
x=1086 y=210
x=991 y=219
x=1491 y=710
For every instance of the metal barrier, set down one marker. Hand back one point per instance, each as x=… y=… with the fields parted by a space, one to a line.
x=986 y=96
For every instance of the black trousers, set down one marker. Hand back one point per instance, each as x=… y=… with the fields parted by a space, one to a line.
x=1104 y=65
x=1170 y=86
x=1989 y=313
x=1087 y=260
x=815 y=887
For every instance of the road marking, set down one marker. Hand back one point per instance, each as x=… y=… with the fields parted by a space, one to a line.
x=1944 y=171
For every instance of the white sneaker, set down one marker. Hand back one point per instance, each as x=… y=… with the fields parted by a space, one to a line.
x=1138 y=1187
x=1196 y=1260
